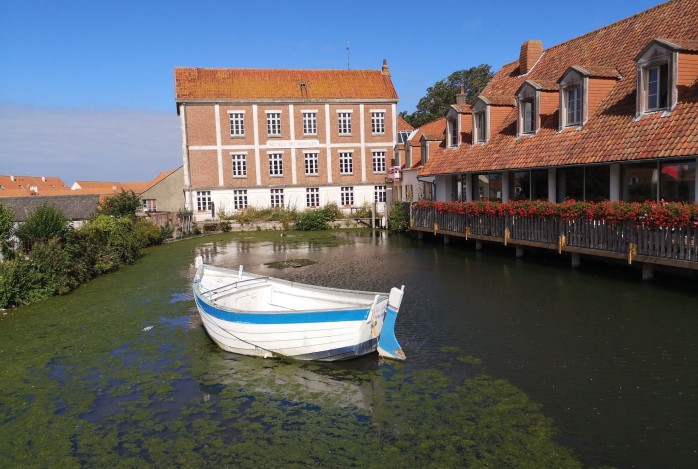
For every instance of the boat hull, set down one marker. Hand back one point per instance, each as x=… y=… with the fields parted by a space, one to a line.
x=315 y=334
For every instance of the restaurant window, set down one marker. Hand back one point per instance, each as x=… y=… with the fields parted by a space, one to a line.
x=639 y=182
x=529 y=185
x=677 y=181
x=487 y=187
x=597 y=183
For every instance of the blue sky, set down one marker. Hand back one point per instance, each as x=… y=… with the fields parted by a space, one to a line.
x=86 y=87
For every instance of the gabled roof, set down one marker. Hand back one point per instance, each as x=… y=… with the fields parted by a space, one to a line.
x=595 y=71
x=106 y=187
x=202 y=84
x=403 y=125
x=74 y=207
x=18 y=186
x=612 y=133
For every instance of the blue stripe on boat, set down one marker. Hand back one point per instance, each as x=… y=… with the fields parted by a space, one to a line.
x=343 y=353
x=302 y=317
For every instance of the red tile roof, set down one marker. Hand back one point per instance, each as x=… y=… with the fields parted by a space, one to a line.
x=19 y=186
x=193 y=84
x=403 y=125
x=612 y=133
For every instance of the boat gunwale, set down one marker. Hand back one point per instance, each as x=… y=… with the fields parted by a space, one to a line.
x=202 y=297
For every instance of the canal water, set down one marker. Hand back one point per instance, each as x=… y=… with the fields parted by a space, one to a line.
x=511 y=363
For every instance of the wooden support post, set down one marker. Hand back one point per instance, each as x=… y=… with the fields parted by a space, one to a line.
x=519 y=252
x=507 y=235
x=561 y=240
x=447 y=239
x=576 y=260
x=632 y=252
x=467 y=233
x=478 y=245
x=647 y=272
x=436 y=227
x=420 y=235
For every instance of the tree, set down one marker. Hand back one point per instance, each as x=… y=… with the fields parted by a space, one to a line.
x=7 y=218
x=123 y=204
x=440 y=96
x=44 y=223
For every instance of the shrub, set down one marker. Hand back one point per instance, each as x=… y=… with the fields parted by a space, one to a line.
x=123 y=204
x=363 y=212
x=330 y=212
x=147 y=232
x=166 y=231
x=115 y=241
x=311 y=220
x=18 y=283
x=398 y=220
x=7 y=216
x=224 y=225
x=44 y=223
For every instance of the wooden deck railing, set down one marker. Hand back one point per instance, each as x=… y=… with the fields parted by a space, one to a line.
x=670 y=246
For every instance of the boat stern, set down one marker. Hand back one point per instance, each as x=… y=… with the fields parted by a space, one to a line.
x=388 y=345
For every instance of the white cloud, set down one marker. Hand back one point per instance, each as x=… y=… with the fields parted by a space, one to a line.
x=88 y=144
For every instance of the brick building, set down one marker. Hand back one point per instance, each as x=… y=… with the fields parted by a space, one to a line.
x=284 y=138
x=612 y=114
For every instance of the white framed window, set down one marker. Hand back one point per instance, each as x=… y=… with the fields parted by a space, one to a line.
x=237 y=123
x=379 y=193
x=203 y=201
x=273 y=123
x=344 y=122
x=347 y=196
x=573 y=101
x=657 y=87
x=528 y=116
x=311 y=164
x=658 y=67
x=453 y=132
x=309 y=123
x=379 y=161
x=240 y=199
x=378 y=122
x=480 y=130
x=150 y=205
x=346 y=162
x=239 y=165
x=276 y=164
x=277 y=197
x=312 y=197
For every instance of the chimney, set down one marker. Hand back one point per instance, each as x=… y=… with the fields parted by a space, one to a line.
x=530 y=53
x=12 y=178
x=461 y=97
x=385 y=70
x=43 y=178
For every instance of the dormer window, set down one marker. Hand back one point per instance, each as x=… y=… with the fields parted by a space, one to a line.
x=657 y=87
x=480 y=124
x=573 y=103
x=453 y=132
x=573 y=97
x=528 y=116
x=657 y=76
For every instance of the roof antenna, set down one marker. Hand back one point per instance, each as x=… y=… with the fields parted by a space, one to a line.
x=348 y=56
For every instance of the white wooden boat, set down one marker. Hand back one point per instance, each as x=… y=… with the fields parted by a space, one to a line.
x=263 y=316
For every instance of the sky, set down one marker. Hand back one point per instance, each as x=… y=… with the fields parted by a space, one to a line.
x=87 y=87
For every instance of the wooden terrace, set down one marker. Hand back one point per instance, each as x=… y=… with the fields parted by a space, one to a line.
x=674 y=247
